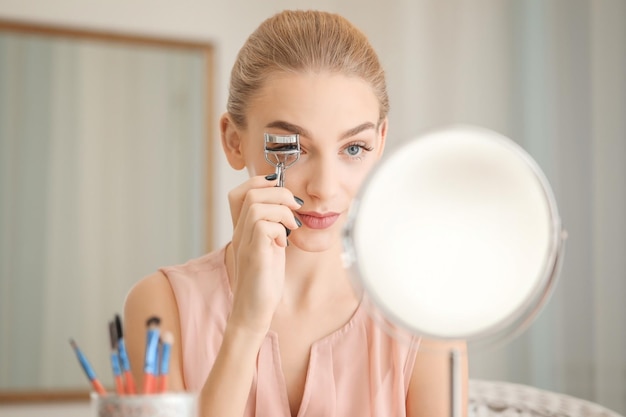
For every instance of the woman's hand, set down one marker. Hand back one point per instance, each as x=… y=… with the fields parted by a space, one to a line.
x=261 y=213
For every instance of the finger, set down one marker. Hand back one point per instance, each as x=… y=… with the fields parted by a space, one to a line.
x=272 y=213
x=280 y=215
x=274 y=231
x=237 y=195
x=267 y=195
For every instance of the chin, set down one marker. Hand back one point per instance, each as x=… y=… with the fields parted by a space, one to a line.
x=308 y=242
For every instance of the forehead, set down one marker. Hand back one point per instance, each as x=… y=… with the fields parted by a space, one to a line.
x=320 y=102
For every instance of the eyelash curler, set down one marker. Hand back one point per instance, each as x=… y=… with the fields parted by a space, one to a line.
x=282 y=151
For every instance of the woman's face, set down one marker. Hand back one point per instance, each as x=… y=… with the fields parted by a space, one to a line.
x=337 y=118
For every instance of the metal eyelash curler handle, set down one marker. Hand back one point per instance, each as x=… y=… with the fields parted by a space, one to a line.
x=282 y=151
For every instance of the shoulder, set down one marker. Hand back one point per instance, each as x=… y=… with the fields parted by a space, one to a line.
x=161 y=290
x=391 y=339
x=212 y=261
x=431 y=349
x=149 y=296
x=429 y=386
x=198 y=281
x=207 y=270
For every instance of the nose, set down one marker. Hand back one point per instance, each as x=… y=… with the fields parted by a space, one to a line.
x=323 y=177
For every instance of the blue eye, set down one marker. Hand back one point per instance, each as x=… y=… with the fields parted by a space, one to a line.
x=354 y=150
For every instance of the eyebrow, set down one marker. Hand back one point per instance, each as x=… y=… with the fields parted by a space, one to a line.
x=290 y=127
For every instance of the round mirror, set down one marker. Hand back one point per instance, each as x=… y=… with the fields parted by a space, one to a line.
x=456 y=235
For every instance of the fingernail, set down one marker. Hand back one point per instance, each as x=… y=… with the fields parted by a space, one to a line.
x=298 y=200
x=288 y=231
x=271 y=177
x=298 y=222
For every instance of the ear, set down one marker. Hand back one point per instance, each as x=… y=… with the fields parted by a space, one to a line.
x=383 y=136
x=231 y=142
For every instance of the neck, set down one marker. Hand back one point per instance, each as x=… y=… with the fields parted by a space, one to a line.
x=314 y=277
x=311 y=278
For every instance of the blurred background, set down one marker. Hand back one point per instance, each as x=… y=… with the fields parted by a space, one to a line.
x=85 y=211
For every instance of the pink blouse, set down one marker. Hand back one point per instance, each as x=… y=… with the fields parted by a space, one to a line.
x=357 y=370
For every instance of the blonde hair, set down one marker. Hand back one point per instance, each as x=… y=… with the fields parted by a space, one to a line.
x=301 y=41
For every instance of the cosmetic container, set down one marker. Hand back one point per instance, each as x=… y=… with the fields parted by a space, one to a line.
x=156 y=405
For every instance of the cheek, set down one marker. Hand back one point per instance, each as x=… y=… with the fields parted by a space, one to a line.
x=295 y=175
x=254 y=157
x=257 y=165
x=359 y=175
x=349 y=175
x=355 y=181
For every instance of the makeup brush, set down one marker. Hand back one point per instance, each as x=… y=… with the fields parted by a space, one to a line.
x=166 y=347
x=151 y=365
x=121 y=347
x=115 y=360
x=95 y=383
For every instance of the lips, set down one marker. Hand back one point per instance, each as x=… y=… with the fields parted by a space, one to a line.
x=318 y=221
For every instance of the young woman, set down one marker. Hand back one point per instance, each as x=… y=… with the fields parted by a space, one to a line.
x=269 y=325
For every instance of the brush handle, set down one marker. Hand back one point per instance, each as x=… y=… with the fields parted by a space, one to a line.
x=97 y=386
x=162 y=386
x=130 y=383
x=164 y=368
x=128 y=376
x=149 y=384
x=85 y=364
x=151 y=365
x=117 y=373
x=166 y=351
x=119 y=385
x=121 y=348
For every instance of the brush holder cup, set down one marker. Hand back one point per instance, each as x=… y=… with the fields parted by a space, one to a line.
x=157 y=405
